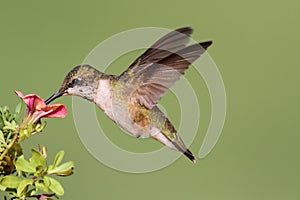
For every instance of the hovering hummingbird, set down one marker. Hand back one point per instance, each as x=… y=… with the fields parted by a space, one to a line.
x=130 y=99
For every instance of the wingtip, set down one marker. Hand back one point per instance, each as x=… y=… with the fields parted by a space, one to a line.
x=185 y=30
x=206 y=44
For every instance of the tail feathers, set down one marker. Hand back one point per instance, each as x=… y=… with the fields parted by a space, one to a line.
x=190 y=155
x=176 y=144
x=180 y=146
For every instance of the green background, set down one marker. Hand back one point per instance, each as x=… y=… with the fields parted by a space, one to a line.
x=256 y=45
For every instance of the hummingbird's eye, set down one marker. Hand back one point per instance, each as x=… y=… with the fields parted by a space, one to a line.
x=74 y=82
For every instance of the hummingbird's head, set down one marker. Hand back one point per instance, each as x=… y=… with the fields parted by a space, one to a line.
x=81 y=81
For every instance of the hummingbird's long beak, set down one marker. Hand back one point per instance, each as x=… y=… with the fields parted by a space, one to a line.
x=54 y=96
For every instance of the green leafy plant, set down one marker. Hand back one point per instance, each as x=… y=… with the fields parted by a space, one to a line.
x=33 y=178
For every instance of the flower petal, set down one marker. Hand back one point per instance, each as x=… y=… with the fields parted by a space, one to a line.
x=19 y=94
x=27 y=101
x=38 y=114
x=57 y=111
x=32 y=101
x=37 y=108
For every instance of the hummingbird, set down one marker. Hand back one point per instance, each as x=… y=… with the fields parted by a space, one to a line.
x=130 y=99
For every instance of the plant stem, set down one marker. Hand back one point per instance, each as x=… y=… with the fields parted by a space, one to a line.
x=11 y=144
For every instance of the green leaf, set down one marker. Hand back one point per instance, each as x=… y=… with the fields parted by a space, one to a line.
x=30 y=128
x=24 y=134
x=23 y=184
x=41 y=185
x=46 y=181
x=18 y=109
x=58 y=158
x=32 y=192
x=37 y=159
x=10 y=182
x=40 y=127
x=64 y=169
x=2 y=188
x=55 y=186
x=14 y=125
x=2 y=140
x=24 y=165
x=1 y=123
x=6 y=123
x=11 y=128
x=44 y=152
x=18 y=149
x=5 y=109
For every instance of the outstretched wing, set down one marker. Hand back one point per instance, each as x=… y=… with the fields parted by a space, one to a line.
x=154 y=72
x=171 y=42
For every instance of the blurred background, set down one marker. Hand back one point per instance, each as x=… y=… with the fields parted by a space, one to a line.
x=256 y=46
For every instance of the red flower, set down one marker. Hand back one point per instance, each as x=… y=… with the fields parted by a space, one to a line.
x=37 y=109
